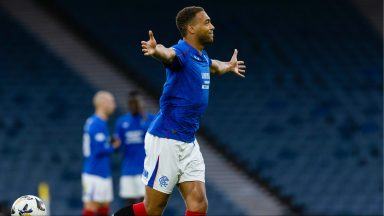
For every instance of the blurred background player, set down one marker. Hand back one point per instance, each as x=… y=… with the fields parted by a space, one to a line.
x=173 y=155
x=97 y=148
x=130 y=131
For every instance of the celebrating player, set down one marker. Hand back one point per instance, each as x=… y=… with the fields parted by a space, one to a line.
x=173 y=155
x=130 y=130
x=96 y=176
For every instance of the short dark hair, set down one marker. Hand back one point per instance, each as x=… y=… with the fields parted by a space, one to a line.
x=185 y=16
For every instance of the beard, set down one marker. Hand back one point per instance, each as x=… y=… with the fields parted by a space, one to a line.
x=206 y=39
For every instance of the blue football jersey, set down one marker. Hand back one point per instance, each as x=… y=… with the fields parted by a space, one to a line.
x=185 y=94
x=131 y=129
x=96 y=147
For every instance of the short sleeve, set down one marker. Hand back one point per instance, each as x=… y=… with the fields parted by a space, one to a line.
x=180 y=58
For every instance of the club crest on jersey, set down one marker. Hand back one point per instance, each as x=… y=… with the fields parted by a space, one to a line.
x=100 y=137
x=163 y=180
x=125 y=124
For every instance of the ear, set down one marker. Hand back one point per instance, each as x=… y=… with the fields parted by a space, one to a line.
x=191 y=29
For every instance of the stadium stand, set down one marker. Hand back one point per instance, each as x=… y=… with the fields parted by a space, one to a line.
x=44 y=105
x=307 y=120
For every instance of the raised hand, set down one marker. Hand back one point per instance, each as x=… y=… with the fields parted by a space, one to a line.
x=149 y=47
x=235 y=66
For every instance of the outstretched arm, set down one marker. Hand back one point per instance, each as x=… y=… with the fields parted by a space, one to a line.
x=157 y=51
x=235 y=66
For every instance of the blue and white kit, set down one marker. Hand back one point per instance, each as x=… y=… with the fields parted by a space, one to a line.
x=96 y=176
x=130 y=130
x=172 y=152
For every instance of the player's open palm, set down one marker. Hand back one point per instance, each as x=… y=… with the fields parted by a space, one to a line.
x=149 y=47
x=235 y=66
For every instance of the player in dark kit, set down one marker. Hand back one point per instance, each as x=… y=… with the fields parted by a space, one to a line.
x=173 y=155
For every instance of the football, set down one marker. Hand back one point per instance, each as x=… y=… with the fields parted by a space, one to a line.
x=28 y=205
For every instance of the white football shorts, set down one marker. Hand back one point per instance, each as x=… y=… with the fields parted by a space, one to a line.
x=131 y=187
x=96 y=188
x=169 y=162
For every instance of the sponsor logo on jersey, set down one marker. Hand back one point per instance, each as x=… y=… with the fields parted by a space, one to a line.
x=134 y=137
x=205 y=76
x=206 y=80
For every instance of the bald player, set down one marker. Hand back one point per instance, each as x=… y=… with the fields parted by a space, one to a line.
x=97 y=149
